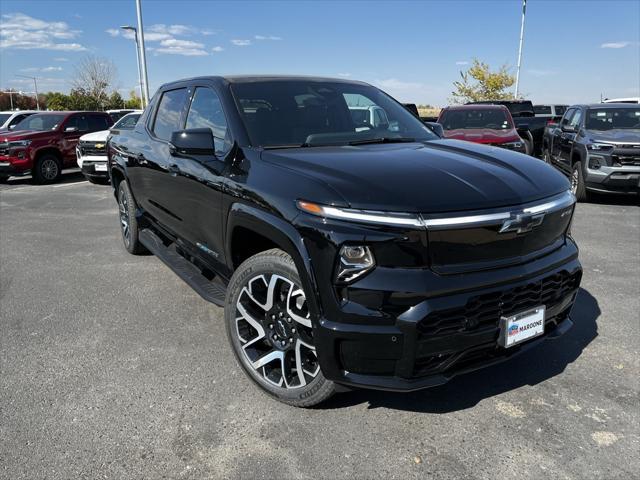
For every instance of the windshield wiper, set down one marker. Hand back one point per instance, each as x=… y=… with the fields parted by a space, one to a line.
x=382 y=140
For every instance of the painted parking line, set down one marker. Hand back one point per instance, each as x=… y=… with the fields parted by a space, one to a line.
x=41 y=187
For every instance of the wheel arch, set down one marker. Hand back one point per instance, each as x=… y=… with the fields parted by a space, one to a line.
x=272 y=232
x=48 y=151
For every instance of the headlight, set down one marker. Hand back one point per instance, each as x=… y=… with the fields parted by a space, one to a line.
x=354 y=261
x=599 y=146
x=361 y=216
x=20 y=143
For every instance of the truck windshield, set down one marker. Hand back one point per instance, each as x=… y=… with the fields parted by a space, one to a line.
x=493 y=119
x=308 y=113
x=610 y=118
x=41 y=122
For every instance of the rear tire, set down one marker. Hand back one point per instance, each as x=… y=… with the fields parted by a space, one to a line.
x=47 y=169
x=270 y=330
x=128 y=220
x=578 y=188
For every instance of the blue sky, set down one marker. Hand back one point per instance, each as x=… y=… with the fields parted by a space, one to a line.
x=573 y=51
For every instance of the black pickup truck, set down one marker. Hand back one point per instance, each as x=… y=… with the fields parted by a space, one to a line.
x=530 y=127
x=345 y=253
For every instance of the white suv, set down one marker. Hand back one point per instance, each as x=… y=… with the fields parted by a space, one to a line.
x=10 y=118
x=91 y=150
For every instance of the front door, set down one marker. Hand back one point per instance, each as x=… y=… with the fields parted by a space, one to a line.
x=198 y=184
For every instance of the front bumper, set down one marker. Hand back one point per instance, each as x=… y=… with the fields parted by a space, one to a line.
x=448 y=325
x=603 y=175
x=11 y=169
x=92 y=165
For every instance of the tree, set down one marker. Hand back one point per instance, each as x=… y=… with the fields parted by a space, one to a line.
x=92 y=79
x=134 y=101
x=56 y=101
x=115 y=101
x=480 y=83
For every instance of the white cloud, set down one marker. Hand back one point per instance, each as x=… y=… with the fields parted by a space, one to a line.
x=60 y=59
x=114 y=32
x=174 y=46
x=20 y=31
x=241 y=42
x=217 y=48
x=462 y=62
x=615 y=45
x=395 y=84
x=208 y=31
x=44 y=69
x=267 y=37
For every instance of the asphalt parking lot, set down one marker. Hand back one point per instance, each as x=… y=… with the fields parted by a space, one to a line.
x=111 y=367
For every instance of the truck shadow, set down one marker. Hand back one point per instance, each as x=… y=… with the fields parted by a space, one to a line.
x=530 y=368
x=608 y=199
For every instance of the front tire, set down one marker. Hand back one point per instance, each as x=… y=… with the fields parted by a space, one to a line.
x=269 y=327
x=128 y=221
x=47 y=169
x=578 y=187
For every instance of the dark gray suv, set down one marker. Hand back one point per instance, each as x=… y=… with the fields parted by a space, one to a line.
x=598 y=146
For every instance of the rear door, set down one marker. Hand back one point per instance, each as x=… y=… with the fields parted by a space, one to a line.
x=155 y=171
x=197 y=187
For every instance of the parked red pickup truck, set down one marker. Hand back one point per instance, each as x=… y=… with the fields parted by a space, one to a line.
x=488 y=124
x=45 y=143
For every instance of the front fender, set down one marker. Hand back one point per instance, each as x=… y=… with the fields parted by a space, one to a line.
x=282 y=234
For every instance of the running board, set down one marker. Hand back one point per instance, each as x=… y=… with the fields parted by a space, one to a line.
x=211 y=290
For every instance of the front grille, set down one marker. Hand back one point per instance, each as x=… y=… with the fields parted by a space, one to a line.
x=626 y=155
x=485 y=310
x=97 y=149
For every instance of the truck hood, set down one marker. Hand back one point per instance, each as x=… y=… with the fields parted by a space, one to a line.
x=619 y=135
x=24 y=135
x=100 y=136
x=437 y=176
x=483 y=135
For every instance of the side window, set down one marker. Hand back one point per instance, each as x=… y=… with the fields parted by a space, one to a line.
x=567 y=116
x=206 y=112
x=17 y=119
x=78 y=121
x=575 y=120
x=97 y=122
x=169 y=112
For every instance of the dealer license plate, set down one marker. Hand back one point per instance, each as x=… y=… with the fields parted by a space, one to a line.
x=521 y=327
x=100 y=167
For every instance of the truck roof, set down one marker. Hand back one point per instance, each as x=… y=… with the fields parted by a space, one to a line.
x=264 y=78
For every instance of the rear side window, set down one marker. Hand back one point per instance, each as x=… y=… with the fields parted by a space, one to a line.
x=169 y=113
x=542 y=109
x=98 y=122
x=206 y=112
x=560 y=109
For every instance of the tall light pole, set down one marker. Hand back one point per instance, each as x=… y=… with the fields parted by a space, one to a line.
x=524 y=11
x=135 y=35
x=143 y=57
x=35 y=86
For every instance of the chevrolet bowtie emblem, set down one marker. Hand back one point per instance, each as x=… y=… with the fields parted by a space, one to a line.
x=521 y=223
x=99 y=145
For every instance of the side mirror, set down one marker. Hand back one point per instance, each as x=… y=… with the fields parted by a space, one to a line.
x=70 y=129
x=523 y=130
x=436 y=128
x=569 y=128
x=195 y=141
x=12 y=127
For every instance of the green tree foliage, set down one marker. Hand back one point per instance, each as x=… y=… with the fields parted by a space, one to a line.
x=56 y=101
x=480 y=83
x=134 y=101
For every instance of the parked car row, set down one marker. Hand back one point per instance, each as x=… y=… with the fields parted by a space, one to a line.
x=42 y=144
